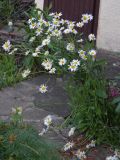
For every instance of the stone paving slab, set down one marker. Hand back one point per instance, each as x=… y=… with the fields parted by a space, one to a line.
x=36 y=106
x=26 y=95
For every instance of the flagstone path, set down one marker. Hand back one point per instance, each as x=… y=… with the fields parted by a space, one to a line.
x=36 y=106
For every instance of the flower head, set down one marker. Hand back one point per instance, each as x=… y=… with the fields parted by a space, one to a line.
x=80 y=24
x=92 y=144
x=68 y=146
x=32 y=39
x=47 y=64
x=62 y=61
x=80 y=155
x=35 y=54
x=46 y=42
x=26 y=73
x=7 y=46
x=10 y=23
x=48 y=120
x=43 y=88
x=92 y=53
x=87 y=17
x=91 y=37
x=70 y=47
x=52 y=71
x=71 y=132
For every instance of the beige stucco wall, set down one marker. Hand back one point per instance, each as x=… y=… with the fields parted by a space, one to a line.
x=108 y=36
x=39 y=3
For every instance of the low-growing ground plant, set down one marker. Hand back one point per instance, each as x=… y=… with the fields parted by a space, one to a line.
x=94 y=109
x=20 y=141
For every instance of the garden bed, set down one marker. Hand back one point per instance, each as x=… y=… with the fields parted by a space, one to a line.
x=57 y=47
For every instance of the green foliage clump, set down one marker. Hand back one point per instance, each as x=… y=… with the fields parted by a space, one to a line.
x=9 y=72
x=19 y=141
x=93 y=111
x=12 y=10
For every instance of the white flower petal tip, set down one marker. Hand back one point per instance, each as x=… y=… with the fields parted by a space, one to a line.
x=71 y=132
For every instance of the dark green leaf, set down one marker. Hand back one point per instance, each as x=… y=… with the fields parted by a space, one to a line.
x=116 y=100
x=118 y=108
x=101 y=93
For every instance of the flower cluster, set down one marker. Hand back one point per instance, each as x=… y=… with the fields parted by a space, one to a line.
x=58 y=42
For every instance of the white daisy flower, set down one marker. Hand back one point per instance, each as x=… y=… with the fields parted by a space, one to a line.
x=80 y=24
x=75 y=62
x=68 y=146
x=47 y=64
x=35 y=54
x=10 y=23
x=71 y=132
x=82 y=54
x=80 y=40
x=56 y=22
x=52 y=71
x=72 y=67
x=80 y=155
x=38 y=49
x=62 y=61
x=70 y=47
x=58 y=15
x=48 y=120
x=26 y=73
x=46 y=42
x=67 y=31
x=7 y=46
x=46 y=53
x=32 y=39
x=43 y=88
x=33 y=25
x=92 y=53
x=27 y=52
x=31 y=20
x=90 y=17
x=92 y=144
x=74 y=31
x=85 y=18
x=91 y=37
x=39 y=31
x=56 y=33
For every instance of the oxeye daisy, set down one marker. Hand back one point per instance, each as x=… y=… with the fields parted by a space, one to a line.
x=43 y=88
x=62 y=61
x=7 y=46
